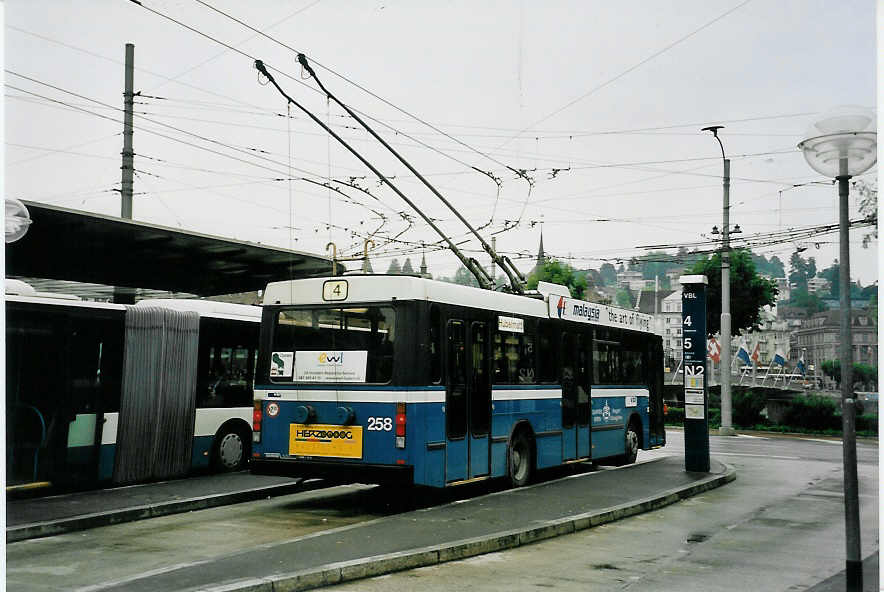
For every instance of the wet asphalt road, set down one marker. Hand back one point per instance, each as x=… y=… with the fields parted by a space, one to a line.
x=778 y=527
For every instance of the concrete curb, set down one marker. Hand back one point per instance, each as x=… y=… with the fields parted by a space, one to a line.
x=366 y=567
x=35 y=530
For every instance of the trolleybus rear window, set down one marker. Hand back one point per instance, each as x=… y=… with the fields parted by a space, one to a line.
x=334 y=345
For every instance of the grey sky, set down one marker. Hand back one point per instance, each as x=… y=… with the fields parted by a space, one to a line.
x=482 y=72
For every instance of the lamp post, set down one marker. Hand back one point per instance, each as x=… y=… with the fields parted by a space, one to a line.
x=840 y=145
x=726 y=428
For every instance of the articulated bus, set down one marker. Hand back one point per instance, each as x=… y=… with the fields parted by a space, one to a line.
x=100 y=393
x=402 y=379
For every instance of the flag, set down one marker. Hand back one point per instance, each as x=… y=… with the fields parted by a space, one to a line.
x=713 y=350
x=743 y=354
x=755 y=353
x=802 y=367
x=779 y=359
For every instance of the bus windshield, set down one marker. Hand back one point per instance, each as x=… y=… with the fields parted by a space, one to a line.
x=333 y=345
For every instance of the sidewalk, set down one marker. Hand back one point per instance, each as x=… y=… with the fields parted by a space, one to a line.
x=39 y=517
x=838 y=582
x=438 y=534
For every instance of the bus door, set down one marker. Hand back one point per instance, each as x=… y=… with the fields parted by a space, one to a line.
x=62 y=369
x=570 y=384
x=584 y=356
x=467 y=401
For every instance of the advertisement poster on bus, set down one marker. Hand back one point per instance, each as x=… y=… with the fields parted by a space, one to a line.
x=581 y=311
x=331 y=366
x=281 y=364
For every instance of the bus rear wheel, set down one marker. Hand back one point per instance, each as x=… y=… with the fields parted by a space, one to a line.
x=230 y=450
x=521 y=460
x=632 y=443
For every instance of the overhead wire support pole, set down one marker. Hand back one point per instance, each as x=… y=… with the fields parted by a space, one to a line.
x=469 y=263
x=128 y=166
x=515 y=282
x=726 y=428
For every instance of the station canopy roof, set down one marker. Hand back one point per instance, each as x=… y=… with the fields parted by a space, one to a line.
x=87 y=248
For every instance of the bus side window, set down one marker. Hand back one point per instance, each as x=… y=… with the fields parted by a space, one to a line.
x=546 y=354
x=527 y=368
x=606 y=362
x=435 y=345
x=455 y=415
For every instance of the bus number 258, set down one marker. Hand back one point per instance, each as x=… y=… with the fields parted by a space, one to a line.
x=380 y=424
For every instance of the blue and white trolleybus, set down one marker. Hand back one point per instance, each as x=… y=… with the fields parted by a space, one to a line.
x=394 y=378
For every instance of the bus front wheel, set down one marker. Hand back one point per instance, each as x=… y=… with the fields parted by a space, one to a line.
x=521 y=460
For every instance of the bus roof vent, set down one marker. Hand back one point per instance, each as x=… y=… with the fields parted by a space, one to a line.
x=19 y=288
x=548 y=288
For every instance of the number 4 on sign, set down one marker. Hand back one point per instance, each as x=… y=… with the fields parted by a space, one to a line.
x=687 y=321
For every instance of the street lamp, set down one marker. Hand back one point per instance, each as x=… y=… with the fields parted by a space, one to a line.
x=726 y=428
x=840 y=145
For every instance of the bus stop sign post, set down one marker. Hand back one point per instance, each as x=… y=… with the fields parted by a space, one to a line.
x=696 y=416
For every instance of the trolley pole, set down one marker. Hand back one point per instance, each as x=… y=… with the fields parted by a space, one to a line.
x=696 y=417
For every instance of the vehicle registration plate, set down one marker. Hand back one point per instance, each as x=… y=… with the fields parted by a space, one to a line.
x=325 y=440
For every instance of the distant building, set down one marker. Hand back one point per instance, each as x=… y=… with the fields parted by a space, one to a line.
x=818 y=284
x=673 y=275
x=424 y=273
x=819 y=338
x=772 y=335
x=670 y=328
x=632 y=280
x=783 y=290
x=541 y=256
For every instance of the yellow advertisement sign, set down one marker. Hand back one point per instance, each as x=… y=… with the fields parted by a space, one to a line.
x=325 y=440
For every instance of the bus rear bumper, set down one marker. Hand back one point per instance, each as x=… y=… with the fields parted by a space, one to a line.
x=344 y=472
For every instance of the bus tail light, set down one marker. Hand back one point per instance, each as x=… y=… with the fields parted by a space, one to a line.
x=257 y=416
x=400 y=425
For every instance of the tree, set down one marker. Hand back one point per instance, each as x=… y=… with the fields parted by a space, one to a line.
x=465 y=277
x=801 y=298
x=868 y=206
x=609 y=274
x=623 y=299
x=559 y=273
x=394 y=267
x=833 y=275
x=801 y=270
x=749 y=291
x=773 y=267
x=407 y=269
x=865 y=375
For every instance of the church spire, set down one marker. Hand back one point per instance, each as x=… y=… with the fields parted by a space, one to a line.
x=541 y=257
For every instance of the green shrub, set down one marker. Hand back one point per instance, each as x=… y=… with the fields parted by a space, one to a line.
x=867 y=423
x=813 y=412
x=714 y=417
x=747 y=407
x=675 y=416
